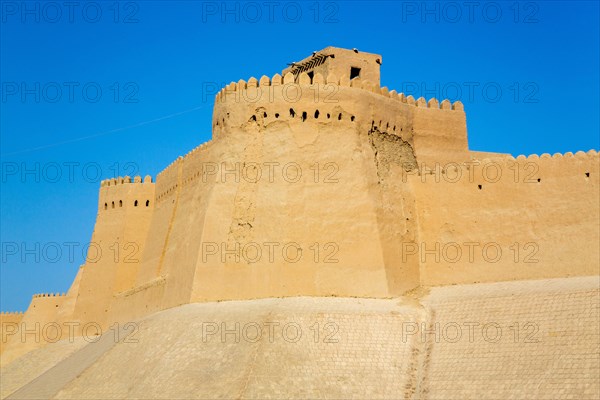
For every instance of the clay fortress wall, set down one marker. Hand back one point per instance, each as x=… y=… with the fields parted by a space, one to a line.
x=379 y=190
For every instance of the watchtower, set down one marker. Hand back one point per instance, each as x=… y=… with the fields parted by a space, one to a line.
x=351 y=63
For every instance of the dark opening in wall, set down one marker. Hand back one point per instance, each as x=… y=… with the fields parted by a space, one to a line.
x=253 y=118
x=480 y=187
x=113 y=204
x=276 y=115
x=265 y=115
x=311 y=74
x=339 y=116
x=292 y=113
x=147 y=203
x=120 y=203
x=352 y=118
x=105 y=206
x=354 y=72
x=539 y=179
x=135 y=203
x=328 y=115
x=587 y=174
x=303 y=116
x=317 y=114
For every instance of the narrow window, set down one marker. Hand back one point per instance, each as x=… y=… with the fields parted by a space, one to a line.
x=317 y=114
x=120 y=203
x=339 y=116
x=352 y=118
x=311 y=74
x=105 y=206
x=135 y=203
x=276 y=115
x=147 y=203
x=354 y=72
x=292 y=113
x=303 y=116
x=113 y=204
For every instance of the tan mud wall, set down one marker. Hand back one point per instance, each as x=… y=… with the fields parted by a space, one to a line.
x=8 y=322
x=199 y=237
x=117 y=246
x=542 y=229
x=33 y=328
x=208 y=198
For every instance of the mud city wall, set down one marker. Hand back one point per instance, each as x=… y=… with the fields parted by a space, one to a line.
x=194 y=208
x=524 y=218
x=379 y=141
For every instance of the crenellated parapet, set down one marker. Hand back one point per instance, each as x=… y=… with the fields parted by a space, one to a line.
x=237 y=89
x=579 y=159
x=307 y=98
x=168 y=181
x=37 y=295
x=195 y=163
x=124 y=180
x=533 y=172
x=436 y=129
x=183 y=171
x=125 y=192
x=580 y=155
x=579 y=166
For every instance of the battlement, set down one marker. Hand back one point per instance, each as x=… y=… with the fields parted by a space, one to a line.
x=11 y=313
x=582 y=155
x=169 y=180
x=123 y=180
x=234 y=89
x=118 y=192
x=181 y=172
x=38 y=295
x=534 y=168
x=435 y=129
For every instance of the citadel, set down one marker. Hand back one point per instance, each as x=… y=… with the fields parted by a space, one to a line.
x=375 y=190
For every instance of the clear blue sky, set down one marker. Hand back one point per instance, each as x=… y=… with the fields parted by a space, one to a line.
x=160 y=58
